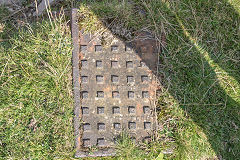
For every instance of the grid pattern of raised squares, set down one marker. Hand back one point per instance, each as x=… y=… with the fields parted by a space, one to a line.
x=116 y=94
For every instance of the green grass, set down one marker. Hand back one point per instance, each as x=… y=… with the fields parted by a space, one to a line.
x=36 y=93
x=199 y=104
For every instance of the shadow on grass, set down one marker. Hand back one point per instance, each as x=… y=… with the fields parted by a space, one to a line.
x=201 y=62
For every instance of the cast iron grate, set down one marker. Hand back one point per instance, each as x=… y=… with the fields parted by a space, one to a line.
x=114 y=89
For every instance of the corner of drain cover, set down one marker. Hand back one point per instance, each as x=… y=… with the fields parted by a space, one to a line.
x=114 y=85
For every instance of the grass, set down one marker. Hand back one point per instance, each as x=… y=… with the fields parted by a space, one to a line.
x=199 y=103
x=36 y=93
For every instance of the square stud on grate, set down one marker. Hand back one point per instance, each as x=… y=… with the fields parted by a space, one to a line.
x=98 y=48
x=128 y=47
x=86 y=142
x=130 y=94
x=84 y=79
x=131 y=110
x=99 y=64
x=86 y=127
x=100 y=110
x=116 y=110
x=100 y=94
x=101 y=126
x=84 y=94
x=130 y=79
x=145 y=94
x=99 y=79
x=83 y=48
x=114 y=64
x=114 y=79
x=85 y=110
x=117 y=126
x=132 y=125
x=115 y=94
x=100 y=142
x=147 y=125
x=129 y=64
x=144 y=78
x=84 y=63
x=146 y=110
x=114 y=48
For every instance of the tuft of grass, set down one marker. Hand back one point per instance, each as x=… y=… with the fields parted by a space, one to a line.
x=36 y=93
x=122 y=17
x=88 y=20
x=128 y=149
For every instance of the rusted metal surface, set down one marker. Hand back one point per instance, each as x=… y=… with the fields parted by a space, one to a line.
x=117 y=90
x=76 y=78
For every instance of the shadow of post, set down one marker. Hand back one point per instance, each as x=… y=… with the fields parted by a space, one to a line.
x=215 y=26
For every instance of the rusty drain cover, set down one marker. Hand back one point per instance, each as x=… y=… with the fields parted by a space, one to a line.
x=114 y=89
